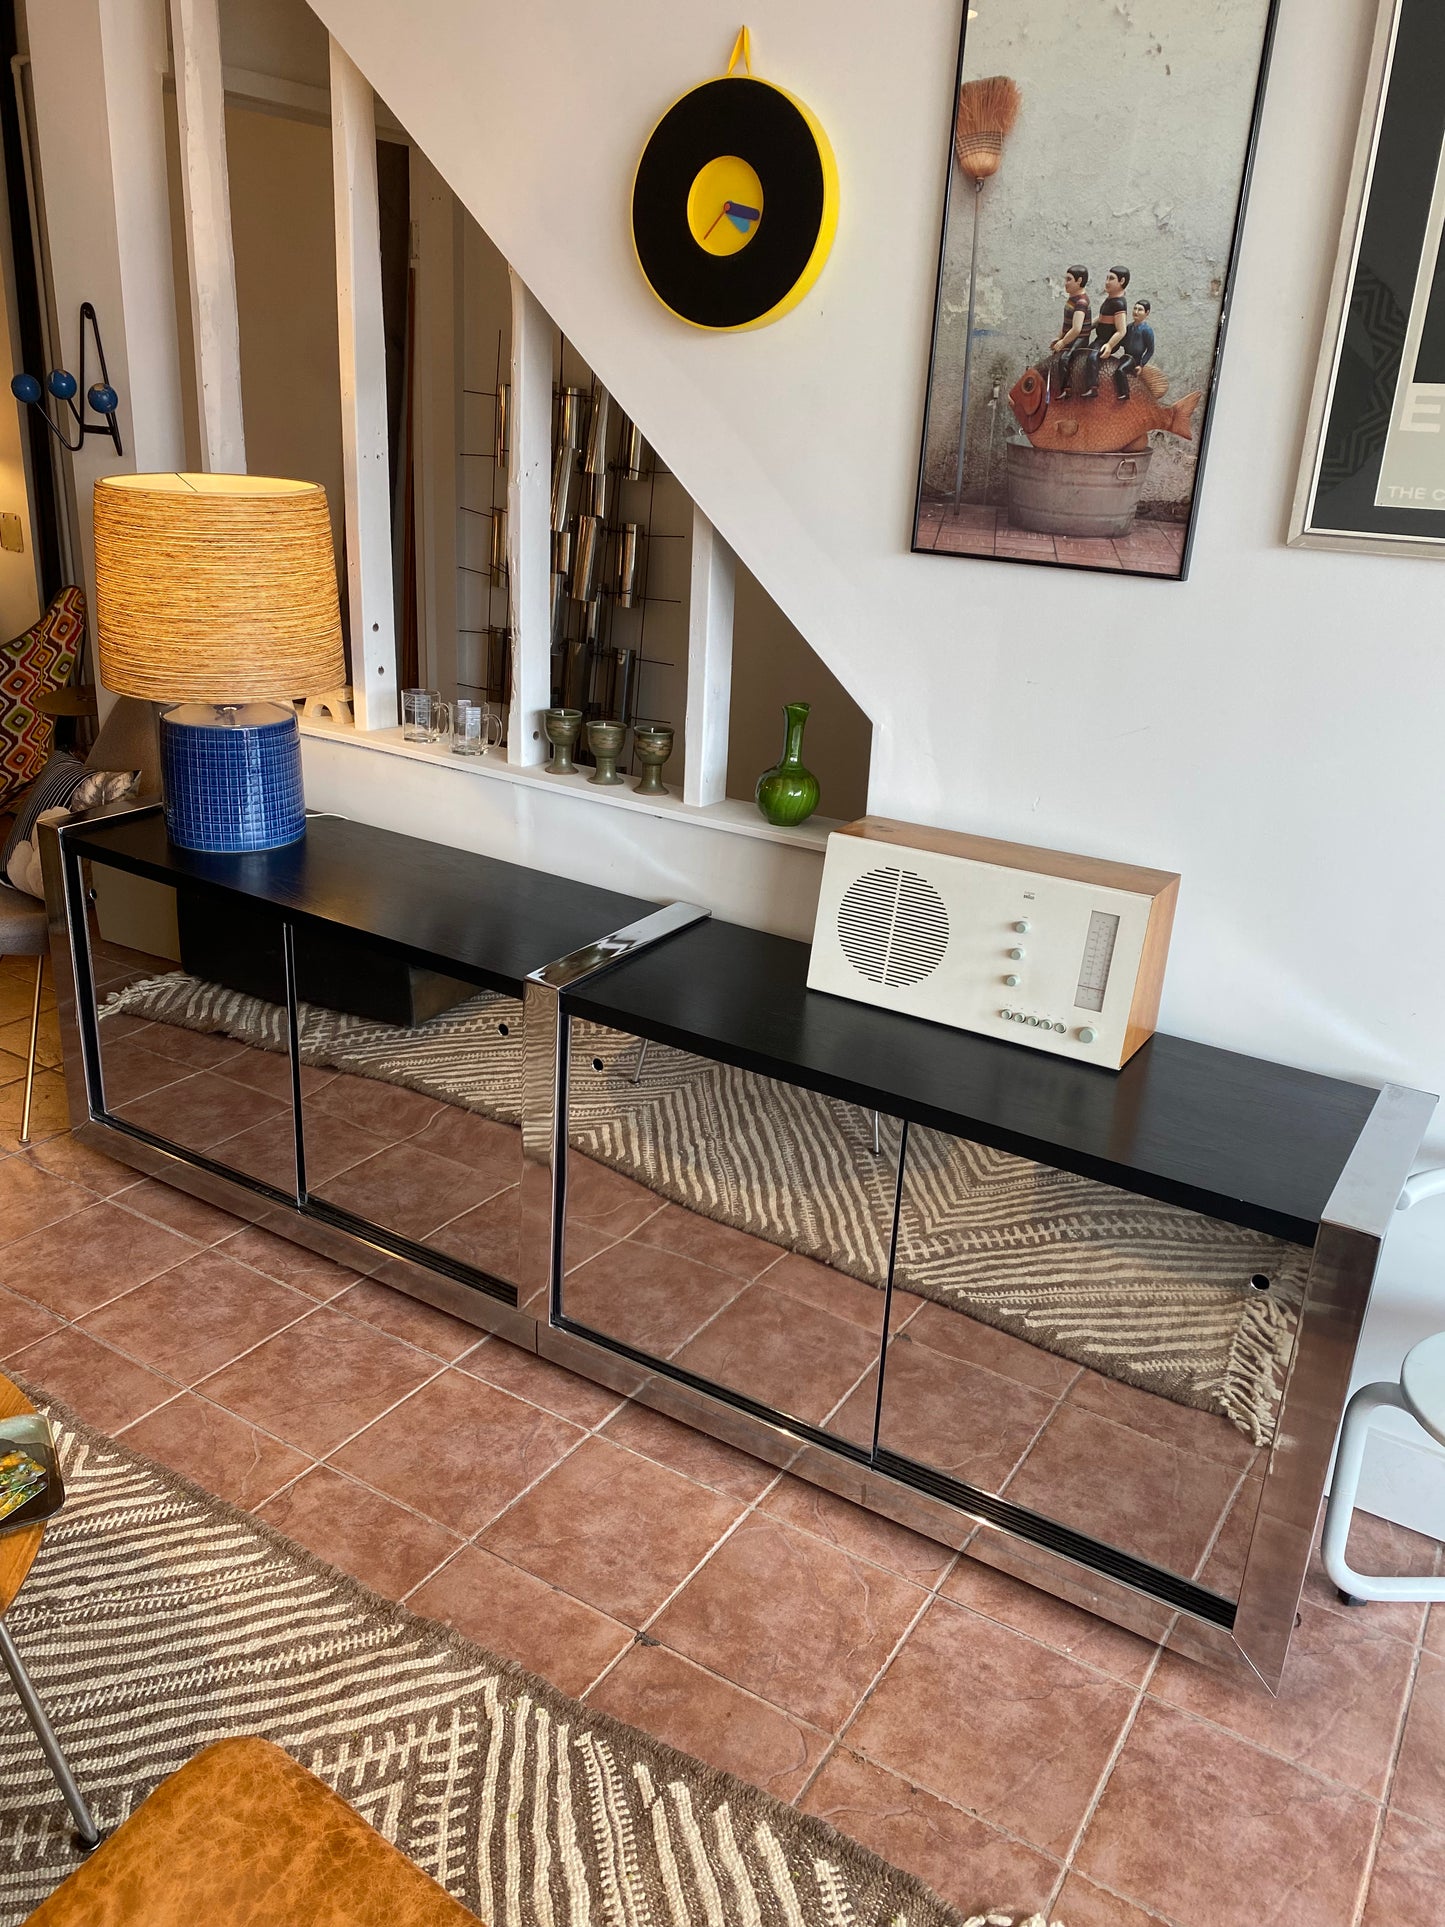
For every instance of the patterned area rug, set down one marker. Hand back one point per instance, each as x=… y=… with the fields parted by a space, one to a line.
x=1143 y=1292
x=158 y=1619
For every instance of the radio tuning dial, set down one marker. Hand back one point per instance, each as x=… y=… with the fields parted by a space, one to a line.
x=1016 y=954
x=1087 y=1034
x=1022 y=925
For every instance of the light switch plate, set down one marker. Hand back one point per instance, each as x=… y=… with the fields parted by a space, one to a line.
x=12 y=534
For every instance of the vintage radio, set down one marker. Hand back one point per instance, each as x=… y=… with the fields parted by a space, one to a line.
x=1065 y=953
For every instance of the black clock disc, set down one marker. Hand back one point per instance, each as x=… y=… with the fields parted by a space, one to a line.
x=762 y=126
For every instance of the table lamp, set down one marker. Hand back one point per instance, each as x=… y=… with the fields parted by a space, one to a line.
x=216 y=594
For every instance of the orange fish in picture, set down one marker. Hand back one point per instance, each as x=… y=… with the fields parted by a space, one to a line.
x=1099 y=424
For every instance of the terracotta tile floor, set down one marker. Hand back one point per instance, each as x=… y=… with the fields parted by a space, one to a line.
x=1014 y=1752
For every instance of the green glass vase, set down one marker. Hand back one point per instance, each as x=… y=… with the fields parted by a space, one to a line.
x=788 y=792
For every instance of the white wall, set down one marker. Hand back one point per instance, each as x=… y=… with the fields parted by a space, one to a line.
x=97 y=68
x=1271 y=728
x=19 y=583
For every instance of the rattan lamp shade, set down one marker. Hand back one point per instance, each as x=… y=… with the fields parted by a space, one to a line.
x=215 y=588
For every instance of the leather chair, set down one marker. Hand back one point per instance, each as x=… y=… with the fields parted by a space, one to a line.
x=242 y=1836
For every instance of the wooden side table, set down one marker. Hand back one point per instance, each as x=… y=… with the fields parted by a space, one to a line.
x=17 y=1555
x=73 y=711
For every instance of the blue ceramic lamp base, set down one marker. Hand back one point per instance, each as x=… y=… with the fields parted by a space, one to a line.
x=232 y=776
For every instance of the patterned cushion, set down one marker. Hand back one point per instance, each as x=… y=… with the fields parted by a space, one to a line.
x=66 y=788
x=58 y=779
x=41 y=659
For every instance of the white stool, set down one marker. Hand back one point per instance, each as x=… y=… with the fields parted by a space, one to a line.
x=1421 y=1393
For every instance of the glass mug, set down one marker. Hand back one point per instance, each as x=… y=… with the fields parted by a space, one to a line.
x=425 y=718
x=476 y=728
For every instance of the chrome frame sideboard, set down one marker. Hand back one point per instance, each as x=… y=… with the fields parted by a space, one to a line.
x=1251 y=1635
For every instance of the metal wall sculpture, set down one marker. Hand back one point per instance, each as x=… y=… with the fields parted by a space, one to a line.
x=603 y=500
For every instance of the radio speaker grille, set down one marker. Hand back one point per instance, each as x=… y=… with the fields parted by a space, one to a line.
x=893 y=926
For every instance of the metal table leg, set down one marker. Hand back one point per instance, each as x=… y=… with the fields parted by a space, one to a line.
x=45 y=1733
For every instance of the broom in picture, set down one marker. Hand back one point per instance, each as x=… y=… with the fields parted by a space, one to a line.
x=987 y=110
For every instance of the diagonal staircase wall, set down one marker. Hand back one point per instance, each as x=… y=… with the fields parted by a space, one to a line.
x=1270 y=728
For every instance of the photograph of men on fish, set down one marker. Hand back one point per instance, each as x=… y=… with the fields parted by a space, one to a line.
x=1078 y=305
x=1053 y=402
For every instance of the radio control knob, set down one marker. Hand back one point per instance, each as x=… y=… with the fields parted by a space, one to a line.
x=1022 y=925
x=1059 y=1028
x=1087 y=1034
x=1016 y=954
x=1012 y=982
x=1005 y=1013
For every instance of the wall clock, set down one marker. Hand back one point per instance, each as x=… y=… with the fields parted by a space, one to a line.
x=735 y=202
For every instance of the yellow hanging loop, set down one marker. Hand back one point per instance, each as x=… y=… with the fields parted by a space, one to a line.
x=742 y=51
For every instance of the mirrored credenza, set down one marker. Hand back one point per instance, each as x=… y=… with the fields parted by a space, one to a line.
x=1093 y=1328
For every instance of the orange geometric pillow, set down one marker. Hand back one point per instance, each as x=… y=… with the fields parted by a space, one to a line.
x=39 y=660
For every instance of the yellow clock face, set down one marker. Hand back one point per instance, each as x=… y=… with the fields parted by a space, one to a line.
x=724 y=205
x=735 y=204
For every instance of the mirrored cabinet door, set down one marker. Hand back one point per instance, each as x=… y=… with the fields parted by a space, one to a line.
x=1109 y=1362
x=735 y=1227
x=410 y=1100
x=181 y=1056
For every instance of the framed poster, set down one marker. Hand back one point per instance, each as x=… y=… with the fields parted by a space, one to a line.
x=1097 y=169
x=1373 y=475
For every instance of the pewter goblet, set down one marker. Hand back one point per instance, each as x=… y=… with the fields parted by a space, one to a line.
x=653 y=745
x=605 y=742
x=563 y=726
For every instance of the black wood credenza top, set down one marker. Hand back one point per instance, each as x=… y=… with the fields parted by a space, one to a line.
x=470 y=916
x=1248 y=1141
x=1254 y=1143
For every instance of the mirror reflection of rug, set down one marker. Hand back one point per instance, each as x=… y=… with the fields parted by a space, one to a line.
x=1140 y=1291
x=159 y=1619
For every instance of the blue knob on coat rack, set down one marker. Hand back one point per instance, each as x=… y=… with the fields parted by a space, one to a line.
x=101 y=398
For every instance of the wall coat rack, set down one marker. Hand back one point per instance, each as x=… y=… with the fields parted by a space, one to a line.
x=65 y=387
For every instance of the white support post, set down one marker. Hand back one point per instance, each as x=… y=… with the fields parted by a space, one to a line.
x=529 y=525
x=709 y=665
x=205 y=192
x=98 y=70
x=362 y=341
x=438 y=407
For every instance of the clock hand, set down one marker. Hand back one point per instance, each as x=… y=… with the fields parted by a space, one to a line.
x=737 y=210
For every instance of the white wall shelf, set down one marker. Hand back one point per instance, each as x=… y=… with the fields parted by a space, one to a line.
x=731 y=816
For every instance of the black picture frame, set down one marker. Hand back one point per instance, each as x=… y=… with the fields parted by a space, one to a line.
x=1180 y=522
x=1399 y=156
